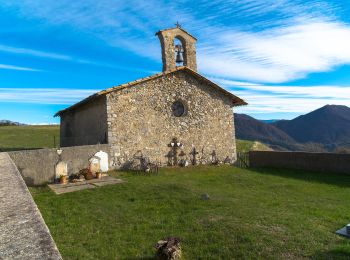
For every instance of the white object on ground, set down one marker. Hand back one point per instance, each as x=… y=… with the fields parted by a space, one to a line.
x=103 y=160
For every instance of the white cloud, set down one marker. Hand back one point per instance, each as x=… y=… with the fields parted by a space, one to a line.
x=278 y=55
x=263 y=106
x=5 y=48
x=44 y=95
x=330 y=92
x=56 y=56
x=286 y=99
x=255 y=40
x=44 y=123
x=12 y=67
x=266 y=41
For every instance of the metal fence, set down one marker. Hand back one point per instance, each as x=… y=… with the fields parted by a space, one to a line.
x=243 y=160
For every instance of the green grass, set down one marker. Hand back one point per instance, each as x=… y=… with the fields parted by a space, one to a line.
x=28 y=137
x=246 y=146
x=264 y=213
x=34 y=137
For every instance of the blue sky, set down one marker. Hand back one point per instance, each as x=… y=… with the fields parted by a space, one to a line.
x=284 y=57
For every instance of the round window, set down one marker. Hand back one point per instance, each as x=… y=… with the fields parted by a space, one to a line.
x=178 y=108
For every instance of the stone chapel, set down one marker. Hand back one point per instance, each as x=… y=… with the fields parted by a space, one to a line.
x=168 y=117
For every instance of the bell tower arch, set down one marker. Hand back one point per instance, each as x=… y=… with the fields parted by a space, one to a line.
x=177 y=45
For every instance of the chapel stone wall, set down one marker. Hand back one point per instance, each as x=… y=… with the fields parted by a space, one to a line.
x=140 y=119
x=85 y=125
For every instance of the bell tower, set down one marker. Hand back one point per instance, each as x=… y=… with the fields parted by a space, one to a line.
x=178 y=48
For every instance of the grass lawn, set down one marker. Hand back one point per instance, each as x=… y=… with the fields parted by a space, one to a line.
x=264 y=213
x=246 y=146
x=28 y=137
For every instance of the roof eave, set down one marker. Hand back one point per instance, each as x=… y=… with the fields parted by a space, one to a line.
x=82 y=102
x=236 y=101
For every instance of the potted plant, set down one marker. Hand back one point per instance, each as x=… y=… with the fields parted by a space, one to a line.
x=63 y=179
x=86 y=173
x=98 y=175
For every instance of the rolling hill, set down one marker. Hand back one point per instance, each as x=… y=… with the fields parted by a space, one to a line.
x=325 y=129
x=8 y=122
x=328 y=125
x=248 y=128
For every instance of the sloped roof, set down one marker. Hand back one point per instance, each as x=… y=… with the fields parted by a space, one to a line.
x=236 y=101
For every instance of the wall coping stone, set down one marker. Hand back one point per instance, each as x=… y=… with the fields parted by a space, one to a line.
x=23 y=232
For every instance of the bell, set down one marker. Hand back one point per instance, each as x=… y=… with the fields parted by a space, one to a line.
x=179 y=57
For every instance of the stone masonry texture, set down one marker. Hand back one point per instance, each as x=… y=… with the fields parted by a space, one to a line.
x=37 y=167
x=140 y=118
x=23 y=232
x=86 y=125
x=188 y=42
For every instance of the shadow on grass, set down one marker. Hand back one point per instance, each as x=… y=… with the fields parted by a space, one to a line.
x=338 y=179
x=139 y=258
x=332 y=254
x=12 y=149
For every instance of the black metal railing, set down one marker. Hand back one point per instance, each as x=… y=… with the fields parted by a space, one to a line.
x=243 y=159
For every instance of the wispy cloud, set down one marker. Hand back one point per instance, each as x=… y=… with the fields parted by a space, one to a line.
x=278 y=55
x=12 y=67
x=256 y=40
x=44 y=95
x=63 y=57
x=36 y=53
x=286 y=99
x=282 y=107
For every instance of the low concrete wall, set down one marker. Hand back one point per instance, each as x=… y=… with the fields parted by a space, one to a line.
x=37 y=167
x=23 y=232
x=324 y=162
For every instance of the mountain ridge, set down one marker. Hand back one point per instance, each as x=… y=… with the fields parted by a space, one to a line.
x=5 y=122
x=324 y=129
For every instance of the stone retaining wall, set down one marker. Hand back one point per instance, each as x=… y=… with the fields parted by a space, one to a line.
x=37 y=167
x=324 y=162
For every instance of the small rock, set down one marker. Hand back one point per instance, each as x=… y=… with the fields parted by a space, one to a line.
x=205 y=197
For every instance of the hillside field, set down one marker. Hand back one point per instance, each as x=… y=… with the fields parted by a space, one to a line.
x=28 y=137
x=246 y=146
x=34 y=137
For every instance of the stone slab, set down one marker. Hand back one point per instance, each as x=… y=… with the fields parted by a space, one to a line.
x=60 y=190
x=99 y=184
x=343 y=232
x=23 y=232
x=88 y=184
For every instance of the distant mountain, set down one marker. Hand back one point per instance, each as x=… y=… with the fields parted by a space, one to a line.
x=8 y=122
x=328 y=125
x=248 y=128
x=270 y=121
